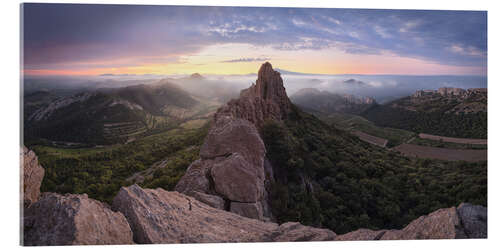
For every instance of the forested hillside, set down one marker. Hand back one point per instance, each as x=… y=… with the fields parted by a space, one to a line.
x=450 y=112
x=326 y=177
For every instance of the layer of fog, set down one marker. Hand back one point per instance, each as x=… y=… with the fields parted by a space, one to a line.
x=381 y=87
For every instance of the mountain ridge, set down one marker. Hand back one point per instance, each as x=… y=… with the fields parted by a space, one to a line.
x=111 y=115
x=327 y=102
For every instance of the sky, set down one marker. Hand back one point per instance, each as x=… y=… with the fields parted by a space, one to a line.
x=74 y=40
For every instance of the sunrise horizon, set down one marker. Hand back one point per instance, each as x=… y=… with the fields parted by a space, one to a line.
x=165 y=40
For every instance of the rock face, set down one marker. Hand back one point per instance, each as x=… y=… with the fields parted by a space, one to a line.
x=231 y=168
x=32 y=176
x=441 y=224
x=294 y=231
x=362 y=234
x=266 y=99
x=159 y=216
x=466 y=221
x=233 y=154
x=73 y=220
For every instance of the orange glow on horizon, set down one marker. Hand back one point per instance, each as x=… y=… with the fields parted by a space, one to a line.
x=218 y=60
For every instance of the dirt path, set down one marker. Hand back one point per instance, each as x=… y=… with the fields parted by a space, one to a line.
x=453 y=139
x=381 y=142
x=442 y=153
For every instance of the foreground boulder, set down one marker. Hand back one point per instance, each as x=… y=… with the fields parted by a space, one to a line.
x=474 y=220
x=73 y=220
x=465 y=222
x=441 y=224
x=159 y=216
x=32 y=176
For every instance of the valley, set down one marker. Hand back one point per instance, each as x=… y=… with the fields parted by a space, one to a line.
x=320 y=171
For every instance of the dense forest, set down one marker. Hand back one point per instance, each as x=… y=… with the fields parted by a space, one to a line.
x=100 y=172
x=437 y=123
x=326 y=177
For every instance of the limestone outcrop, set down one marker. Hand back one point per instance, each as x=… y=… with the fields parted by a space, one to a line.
x=73 y=219
x=441 y=224
x=159 y=216
x=232 y=157
x=32 y=176
x=465 y=222
x=266 y=99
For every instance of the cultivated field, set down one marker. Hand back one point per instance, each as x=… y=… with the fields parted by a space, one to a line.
x=453 y=139
x=357 y=123
x=442 y=153
x=370 y=138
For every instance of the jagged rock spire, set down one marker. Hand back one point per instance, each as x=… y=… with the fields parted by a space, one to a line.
x=232 y=157
x=267 y=99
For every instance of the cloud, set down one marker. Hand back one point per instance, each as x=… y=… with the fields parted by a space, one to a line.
x=382 y=32
x=59 y=35
x=257 y=59
x=468 y=51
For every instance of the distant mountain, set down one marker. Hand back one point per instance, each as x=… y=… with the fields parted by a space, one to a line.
x=109 y=115
x=447 y=111
x=196 y=76
x=354 y=82
x=154 y=98
x=201 y=86
x=326 y=102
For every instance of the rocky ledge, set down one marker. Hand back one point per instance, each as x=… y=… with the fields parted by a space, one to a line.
x=466 y=221
x=73 y=220
x=31 y=176
x=159 y=216
x=150 y=216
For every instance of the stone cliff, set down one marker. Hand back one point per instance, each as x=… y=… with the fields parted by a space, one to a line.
x=159 y=216
x=266 y=99
x=231 y=173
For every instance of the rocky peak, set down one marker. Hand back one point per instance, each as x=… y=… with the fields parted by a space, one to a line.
x=266 y=99
x=269 y=84
x=230 y=173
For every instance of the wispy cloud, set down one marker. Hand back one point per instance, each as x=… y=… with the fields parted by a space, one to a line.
x=115 y=35
x=258 y=59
